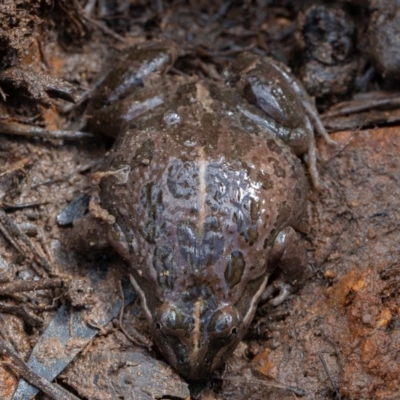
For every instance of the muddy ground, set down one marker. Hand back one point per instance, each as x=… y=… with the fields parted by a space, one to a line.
x=338 y=337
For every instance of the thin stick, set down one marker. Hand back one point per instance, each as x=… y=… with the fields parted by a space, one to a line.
x=357 y=107
x=138 y=338
x=22 y=369
x=325 y=365
x=17 y=234
x=353 y=135
x=18 y=129
x=29 y=318
x=29 y=286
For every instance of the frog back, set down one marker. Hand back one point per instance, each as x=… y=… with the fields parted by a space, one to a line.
x=207 y=192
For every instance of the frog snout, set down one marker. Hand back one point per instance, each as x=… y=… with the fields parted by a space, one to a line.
x=196 y=366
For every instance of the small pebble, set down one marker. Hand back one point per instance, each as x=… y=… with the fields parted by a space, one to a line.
x=329 y=274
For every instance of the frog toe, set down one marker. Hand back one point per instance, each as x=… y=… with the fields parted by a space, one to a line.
x=283 y=288
x=284 y=291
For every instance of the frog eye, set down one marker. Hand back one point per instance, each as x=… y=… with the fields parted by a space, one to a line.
x=172 y=318
x=222 y=320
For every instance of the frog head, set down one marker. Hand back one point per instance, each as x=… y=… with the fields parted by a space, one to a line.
x=195 y=338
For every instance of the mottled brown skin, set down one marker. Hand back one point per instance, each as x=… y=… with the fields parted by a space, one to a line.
x=204 y=198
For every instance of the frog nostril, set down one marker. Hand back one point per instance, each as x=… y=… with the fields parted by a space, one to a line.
x=234 y=331
x=158 y=326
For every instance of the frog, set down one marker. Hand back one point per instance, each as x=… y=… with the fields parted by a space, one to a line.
x=201 y=193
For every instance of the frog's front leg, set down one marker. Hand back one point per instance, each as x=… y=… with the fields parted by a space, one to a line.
x=98 y=230
x=289 y=256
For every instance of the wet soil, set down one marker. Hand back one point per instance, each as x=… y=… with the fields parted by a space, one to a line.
x=339 y=337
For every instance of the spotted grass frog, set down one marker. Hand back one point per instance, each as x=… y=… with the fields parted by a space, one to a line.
x=200 y=194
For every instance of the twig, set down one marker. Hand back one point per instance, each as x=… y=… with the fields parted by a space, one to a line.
x=9 y=206
x=220 y=13
x=16 y=166
x=18 y=129
x=20 y=367
x=12 y=228
x=28 y=317
x=28 y=286
x=355 y=107
x=13 y=243
x=104 y=28
x=325 y=365
x=3 y=95
x=354 y=134
x=4 y=334
x=319 y=264
x=202 y=51
x=138 y=338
